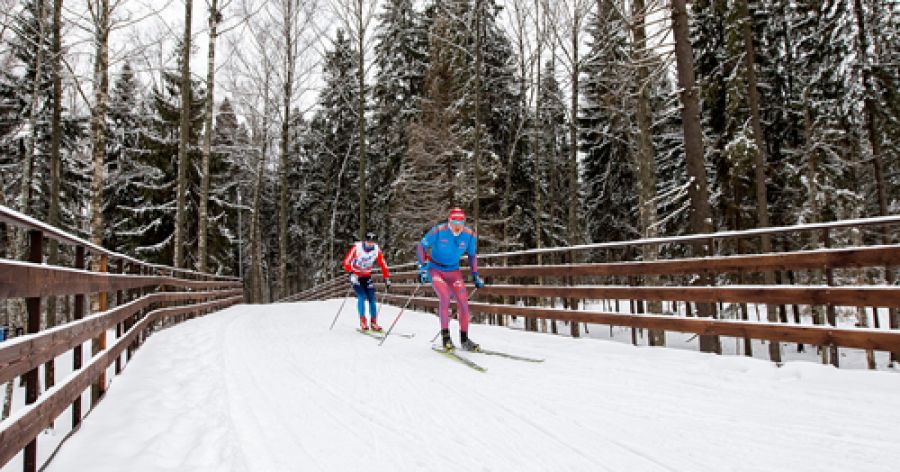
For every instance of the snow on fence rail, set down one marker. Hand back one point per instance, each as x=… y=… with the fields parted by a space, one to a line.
x=518 y=287
x=143 y=299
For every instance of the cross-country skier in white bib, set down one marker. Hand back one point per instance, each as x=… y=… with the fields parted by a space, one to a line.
x=360 y=259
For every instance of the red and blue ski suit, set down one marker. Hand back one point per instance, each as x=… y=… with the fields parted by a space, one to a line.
x=441 y=250
x=360 y=260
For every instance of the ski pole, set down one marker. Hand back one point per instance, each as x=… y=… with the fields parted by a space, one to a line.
x=408 y=301
x=341 y=308
x=457 y=302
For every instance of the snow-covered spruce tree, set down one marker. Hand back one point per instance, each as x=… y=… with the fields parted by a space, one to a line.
x=26 y=105
x=121 y=191
x=304 y=242
x=157 y=164
x=485 y=108
x=781 y=122
x=553 y=147
x=519 y=186
x=231 y=167
x=878 y=51
x=335 y=133
x=886 y=78
x=232 y=144
x=429 y=173
x=226 y=174
x=401 y=55
x=605 y=130
x=722 y=77
x=296 y=228
x=823 y=36
x=17 y=94
x=672 y=181
x=708 y=26
x=502 y=110
x=312 y=202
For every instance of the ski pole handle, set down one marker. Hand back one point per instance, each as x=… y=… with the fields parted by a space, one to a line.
x=408 y=301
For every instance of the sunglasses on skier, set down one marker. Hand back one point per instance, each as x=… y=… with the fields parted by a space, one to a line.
x=457 y=222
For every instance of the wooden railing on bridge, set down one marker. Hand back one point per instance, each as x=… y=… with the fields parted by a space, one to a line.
x=145 y=297
x=520 y=283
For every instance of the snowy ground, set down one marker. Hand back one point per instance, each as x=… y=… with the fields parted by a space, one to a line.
x=270 y=388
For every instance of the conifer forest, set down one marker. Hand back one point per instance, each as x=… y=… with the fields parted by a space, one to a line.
x=261 y=138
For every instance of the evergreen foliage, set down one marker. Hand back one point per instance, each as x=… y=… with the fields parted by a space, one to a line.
x=401 y=55
x=433 y=109
x=157 y=165
x=605 y=130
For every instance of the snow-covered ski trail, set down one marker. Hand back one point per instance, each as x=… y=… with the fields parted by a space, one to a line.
x=269 y=387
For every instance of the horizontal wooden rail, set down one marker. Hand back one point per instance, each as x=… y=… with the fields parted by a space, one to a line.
x=704 y=237
x=872 y=256
x=15 y=218
x=23 y=353
x=24 y=279
x=794 y=294
x=313 y=292
x=817 y=335
x=24 y=425
x=820 y=259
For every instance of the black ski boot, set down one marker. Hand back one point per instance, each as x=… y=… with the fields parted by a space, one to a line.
x=467 y=343
x=447 y=342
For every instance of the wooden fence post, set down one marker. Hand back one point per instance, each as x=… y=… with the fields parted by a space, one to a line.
x=745 y=311
x=76 y=352
x=120 y=299
x=35 y=255
x=99 y=343
x=893 y=312
x=829 y=308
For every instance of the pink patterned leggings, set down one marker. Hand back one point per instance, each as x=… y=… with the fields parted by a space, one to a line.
x=445 y=284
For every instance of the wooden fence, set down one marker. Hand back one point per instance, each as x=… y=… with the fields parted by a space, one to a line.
x=146 y=296
x=531 y=283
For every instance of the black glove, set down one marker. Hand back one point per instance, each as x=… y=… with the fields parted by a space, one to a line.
x=387 y=284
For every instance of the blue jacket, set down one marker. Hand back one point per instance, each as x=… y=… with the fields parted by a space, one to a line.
x=442 y=250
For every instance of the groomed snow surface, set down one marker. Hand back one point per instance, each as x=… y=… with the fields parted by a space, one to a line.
x=270 y=388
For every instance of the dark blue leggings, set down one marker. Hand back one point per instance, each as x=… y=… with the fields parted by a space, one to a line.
x=365 y=290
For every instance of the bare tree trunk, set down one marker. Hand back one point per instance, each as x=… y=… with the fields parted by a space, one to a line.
x=100 y=14
x=285 y=137
x=55 y=166
x=573 y=151
x=646 y=159
x=875 y=142
x=812 y=201
x=478 y=59
x=869 y=109
x=759 y=161
x=540 y=27
x=361 y=115
x=183 y=138
x=202 y=250
x=25 y=195
x=701 y=213
x=811 y=164
x=255 y=230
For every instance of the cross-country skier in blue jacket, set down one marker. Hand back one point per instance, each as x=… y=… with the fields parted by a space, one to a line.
x=439 y=252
